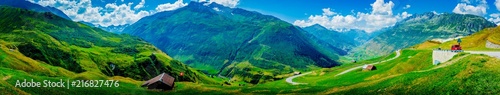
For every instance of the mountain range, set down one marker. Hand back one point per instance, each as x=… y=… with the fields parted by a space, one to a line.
x=346 y=40
x=232 y=42
x=33 y=7
x=420 y=28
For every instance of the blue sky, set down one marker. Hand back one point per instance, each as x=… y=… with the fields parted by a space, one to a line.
x=368 y=15
x=302 y=9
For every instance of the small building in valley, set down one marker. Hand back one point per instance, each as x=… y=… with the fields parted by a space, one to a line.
x=297 y=73
x=162 y=82
x=369 y=67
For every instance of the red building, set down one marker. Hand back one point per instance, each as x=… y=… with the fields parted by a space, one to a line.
x=456 y=47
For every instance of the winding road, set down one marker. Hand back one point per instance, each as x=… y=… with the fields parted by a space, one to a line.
x=290 y=79
x=398 y=53
x=495 y=54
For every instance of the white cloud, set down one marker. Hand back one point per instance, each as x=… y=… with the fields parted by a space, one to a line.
x=45 y=2
x=228 y=3
x=328 y=12
x=111 y=14
x=121 y=14
x=381 y=8
x=466 y=1
x=407 y=7
x=381 y=16
x=467 y=8
x=495 y=18
x=497 y=4
x=404 y=15
x=140 y=5
x=169 y=6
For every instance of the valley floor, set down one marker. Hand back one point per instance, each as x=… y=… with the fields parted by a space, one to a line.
x=412 y=72
x=408 y=71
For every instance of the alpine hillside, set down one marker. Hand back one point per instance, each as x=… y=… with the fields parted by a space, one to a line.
x=44 y=44
x=420 y=28
x=33 y=7
x=233 y=42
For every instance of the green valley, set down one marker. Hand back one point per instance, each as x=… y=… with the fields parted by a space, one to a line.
x=420 y=28
x=412 y=72
x=260 y=48
x=43 y=46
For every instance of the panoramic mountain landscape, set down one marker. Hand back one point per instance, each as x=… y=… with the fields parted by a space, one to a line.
x=249 y=47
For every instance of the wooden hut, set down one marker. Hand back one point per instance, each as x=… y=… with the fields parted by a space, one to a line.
x=162 y=81
x=369 y=67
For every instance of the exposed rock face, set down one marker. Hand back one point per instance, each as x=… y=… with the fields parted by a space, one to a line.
x=492 y=45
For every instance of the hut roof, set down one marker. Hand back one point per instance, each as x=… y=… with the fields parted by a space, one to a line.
x=164 y=78
x=370 y=67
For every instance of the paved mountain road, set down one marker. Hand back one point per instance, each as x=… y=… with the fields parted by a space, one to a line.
x=489 y=53
x=398 y=53
x=290 y=79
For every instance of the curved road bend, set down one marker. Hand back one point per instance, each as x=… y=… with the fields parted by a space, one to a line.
x=495 y=54
x=290 y=79
x=398 y=53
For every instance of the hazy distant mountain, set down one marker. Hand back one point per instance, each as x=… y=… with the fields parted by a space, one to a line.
x=346 y=40
x=115 y=29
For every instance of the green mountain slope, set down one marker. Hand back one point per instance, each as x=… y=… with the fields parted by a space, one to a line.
x=25 y=4
x=420 y=28
x=232 y=42
x=34 y=42
x=474 y=42
x=412 y=72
